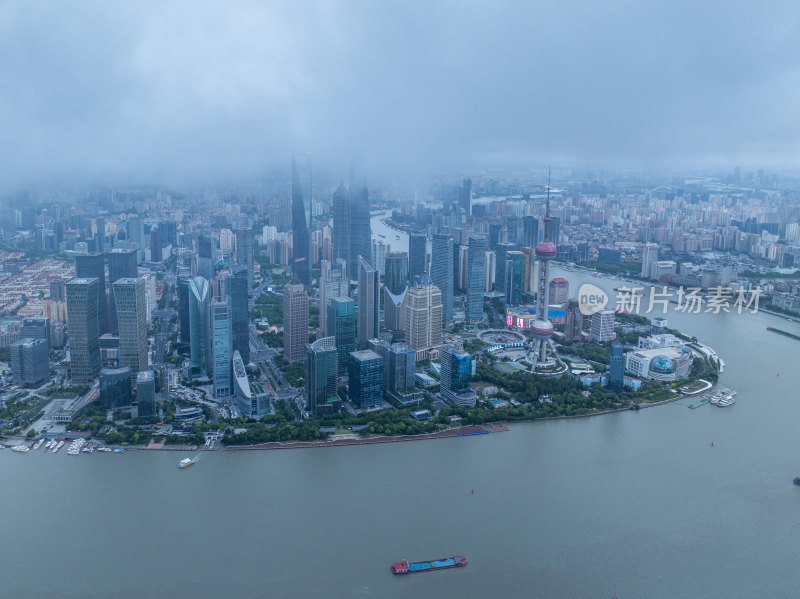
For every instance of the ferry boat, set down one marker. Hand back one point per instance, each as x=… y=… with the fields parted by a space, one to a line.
x=38 y=444
x=405 y=567
x=105 y=449
x=185 y=463
x=21 y=448
x=119 y=451
x=697 y=404
x=725 y=402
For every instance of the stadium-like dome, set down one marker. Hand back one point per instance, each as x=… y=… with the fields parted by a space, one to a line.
x=662 y=365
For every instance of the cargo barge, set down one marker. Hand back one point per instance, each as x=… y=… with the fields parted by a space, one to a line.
x=784 y=333
x=406 y=567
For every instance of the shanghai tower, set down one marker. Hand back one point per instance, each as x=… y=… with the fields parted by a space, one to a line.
x=301 y=218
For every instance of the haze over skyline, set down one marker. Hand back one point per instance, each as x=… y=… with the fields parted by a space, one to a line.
x=199 y=90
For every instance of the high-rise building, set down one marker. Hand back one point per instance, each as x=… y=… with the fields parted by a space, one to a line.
x=183 y=313
x=116 y=390
x=84 y=343
x=334 y=282
x=301 y=218
x=465 y=196
x=146 y=394
x=220 y=351
x=573 y=321
x=58 y=290
x=542 y=328
x=442 y=272
x=198 y=325
x=530 y=231
x=368 y=303
x=341 y=224
x=422 y=309
x=501 y=251
x=417 y=244
x=36 y=327
x=100 y=234
x=322 y=377
x=240 y=315
x=555 y=229
x=379 y=251
x=602 y=328
x=30 y=361
x=366 y=376
x=398 y=365
x=132 y=322
x=341 y=323
x=360 y=229
x=513 y=277
x=155 y=246
x=206 y=256
x=295 y=322
x=476 y=276
x=649 y=257
x=88 y=266
x=121 y=265
x=244 y=252
x=559 y=291
x=395 y=276
x=456 y=375
x=616 y=368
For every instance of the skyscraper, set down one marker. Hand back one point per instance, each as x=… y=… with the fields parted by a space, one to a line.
x=155 y=246
x=476 y=267
x=30 y=362
x=321 y=377
x=559 y=291
x=465 y=196
x=417 y=244
x=395 y=278
x=240 y=316
x=295 y=322
x=89 y=266
x=395 y=283
x=301 y=218
x=545 y=251
x=360 y=229
x=121 y=265
x=221 y=354
x=501 y=251
x=422 y=309
x=442 y=272
x=616 y=368
x=341 y=224
x=366 y=375
x=530 y=231
x=146 y=394
x=456 y=375
x=206 y=256
x=132 y=322
x=183 y=312
x=198 y=325
x=514 y=272
x=334 y=282
x=342 y=327
x=36 y=327
x=84 y=344
x=244 y=253
x=398 y=365
x=368 y=303
x=649 y=257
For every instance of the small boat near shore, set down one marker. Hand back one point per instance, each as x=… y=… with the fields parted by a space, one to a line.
x=38 y=444
x=21 y=448
x=697 y=404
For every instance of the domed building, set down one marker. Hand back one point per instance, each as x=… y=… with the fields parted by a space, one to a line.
x=665 y=364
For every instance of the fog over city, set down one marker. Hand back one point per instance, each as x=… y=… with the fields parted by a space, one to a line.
x=182 y=91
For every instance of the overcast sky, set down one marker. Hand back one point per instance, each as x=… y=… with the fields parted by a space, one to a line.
x=185 y=89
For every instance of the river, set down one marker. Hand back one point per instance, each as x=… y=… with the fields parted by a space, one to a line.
x=632 y=504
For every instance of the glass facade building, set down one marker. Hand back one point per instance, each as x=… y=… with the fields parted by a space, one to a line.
x=365 y=380
x=341 y=323
x=322 y=377
x=476 y=276
x=221 y=347
x=301 y=218
x=84 y=338
x=198 y=323
x=442 y=272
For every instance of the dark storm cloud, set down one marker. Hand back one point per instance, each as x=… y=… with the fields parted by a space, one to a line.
x=183 y=89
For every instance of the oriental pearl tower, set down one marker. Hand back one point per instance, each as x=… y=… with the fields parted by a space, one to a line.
x=545 y=251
